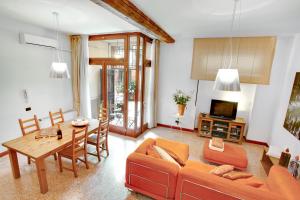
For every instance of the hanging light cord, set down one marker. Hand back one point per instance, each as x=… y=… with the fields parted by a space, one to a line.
x=231 y=30
x=57 y=35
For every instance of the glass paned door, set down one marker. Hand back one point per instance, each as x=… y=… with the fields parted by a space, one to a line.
x=132 y=82
x=115 y=76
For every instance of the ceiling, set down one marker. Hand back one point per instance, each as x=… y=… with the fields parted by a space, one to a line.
x=177 y=17
x=213 y=17
x=75 y=16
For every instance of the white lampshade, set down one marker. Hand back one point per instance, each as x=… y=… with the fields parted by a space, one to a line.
x=227 y=80
x=59 y=70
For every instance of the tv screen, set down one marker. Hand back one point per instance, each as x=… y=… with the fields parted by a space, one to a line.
x=223 y=109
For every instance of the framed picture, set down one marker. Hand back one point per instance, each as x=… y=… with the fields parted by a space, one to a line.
x=292 y=118
x=294 y=168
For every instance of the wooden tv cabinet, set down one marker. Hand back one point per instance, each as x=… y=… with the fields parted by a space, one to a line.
x=229 y=130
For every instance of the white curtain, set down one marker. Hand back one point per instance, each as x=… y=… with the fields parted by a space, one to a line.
x=85 y=100
x=152 y=105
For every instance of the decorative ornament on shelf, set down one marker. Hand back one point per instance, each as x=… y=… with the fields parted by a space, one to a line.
x=227 y=78
x=181 y=100
x=59 y=69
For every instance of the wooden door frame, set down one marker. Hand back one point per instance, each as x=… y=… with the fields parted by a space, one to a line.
x=125 y=62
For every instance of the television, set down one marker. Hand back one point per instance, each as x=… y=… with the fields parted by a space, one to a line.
x=223 y=109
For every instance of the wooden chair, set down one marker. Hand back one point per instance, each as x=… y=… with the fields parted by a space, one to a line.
x=103 y=113
x=99 y=139
x=29 y=126
x=74 y=151
x=56 y=117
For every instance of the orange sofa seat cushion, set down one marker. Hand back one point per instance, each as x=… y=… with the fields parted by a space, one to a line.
x=232 y=155
x=179 y=151
x=250 y=181
x=281 y=181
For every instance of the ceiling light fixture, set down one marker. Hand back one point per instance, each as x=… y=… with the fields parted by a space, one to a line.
x=59 y=69
x=227 y=78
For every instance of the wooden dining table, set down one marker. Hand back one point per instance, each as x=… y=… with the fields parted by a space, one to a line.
x=39 y=149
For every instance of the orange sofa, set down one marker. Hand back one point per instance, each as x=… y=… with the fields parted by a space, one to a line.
x=151 y=176
x=162 y=179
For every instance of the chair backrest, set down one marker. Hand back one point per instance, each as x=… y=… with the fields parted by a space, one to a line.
x=56 y=117
x=103 y=113
x=79 y=139
x=102 y=129
x=29 y=125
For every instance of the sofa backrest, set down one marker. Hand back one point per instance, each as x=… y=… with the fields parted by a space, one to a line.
x=282 y=182
x=142 y=148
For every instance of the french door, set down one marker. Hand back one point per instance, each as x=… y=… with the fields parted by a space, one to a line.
x=123 y=68
x=122 y=99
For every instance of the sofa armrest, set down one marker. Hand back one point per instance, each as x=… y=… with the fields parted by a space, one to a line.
x=197 y=184
x=150 y=174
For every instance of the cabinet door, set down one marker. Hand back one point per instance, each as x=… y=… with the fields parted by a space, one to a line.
x=236 y=131
x=252 y=56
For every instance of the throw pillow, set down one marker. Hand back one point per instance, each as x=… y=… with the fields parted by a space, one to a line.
x=178 y=151
x=233 y=175
x=223 y=169
x=152 y=152
x=165 y=156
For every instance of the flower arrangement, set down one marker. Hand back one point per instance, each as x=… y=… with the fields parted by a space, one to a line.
x=181 y=98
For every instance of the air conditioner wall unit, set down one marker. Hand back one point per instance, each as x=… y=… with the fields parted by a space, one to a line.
x=26 y=38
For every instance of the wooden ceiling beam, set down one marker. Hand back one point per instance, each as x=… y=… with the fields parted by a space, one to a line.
x=131 y=13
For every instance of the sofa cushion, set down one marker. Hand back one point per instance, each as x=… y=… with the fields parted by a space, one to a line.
x=251 y=181
x=179 y=151
x=152 y=152
x=164 y=155
x=142 y=148
x=233 y=175
x=221 y=170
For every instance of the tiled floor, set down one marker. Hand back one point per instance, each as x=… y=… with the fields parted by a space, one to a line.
x=103 y=180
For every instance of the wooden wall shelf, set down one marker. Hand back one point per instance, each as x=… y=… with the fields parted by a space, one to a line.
x=229 y=130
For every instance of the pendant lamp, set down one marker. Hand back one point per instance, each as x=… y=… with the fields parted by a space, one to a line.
x=227 y=78
x=59 y=69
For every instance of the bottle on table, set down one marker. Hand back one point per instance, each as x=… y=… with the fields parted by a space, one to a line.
x=59 y=132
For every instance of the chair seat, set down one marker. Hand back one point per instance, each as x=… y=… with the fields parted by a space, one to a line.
x=92 y=139
x=67 y=152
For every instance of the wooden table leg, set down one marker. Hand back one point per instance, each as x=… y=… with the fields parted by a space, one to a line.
x=41 y=172
x=14 y=163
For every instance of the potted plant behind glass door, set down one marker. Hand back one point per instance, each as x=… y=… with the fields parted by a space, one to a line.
x=181 y=100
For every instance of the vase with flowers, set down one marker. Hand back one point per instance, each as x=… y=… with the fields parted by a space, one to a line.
x=181 y=100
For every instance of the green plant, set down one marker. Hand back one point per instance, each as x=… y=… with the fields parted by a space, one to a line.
x=181 y=98
x=131 y=87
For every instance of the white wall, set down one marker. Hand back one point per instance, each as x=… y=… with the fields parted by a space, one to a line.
x=27 y=67
x=174 y=73
x=279 y=135
x=267 y=96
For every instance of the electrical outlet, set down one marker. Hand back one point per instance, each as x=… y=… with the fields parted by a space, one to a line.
x=28 y=109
